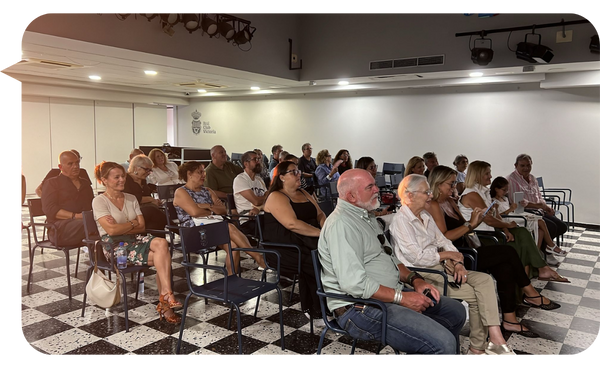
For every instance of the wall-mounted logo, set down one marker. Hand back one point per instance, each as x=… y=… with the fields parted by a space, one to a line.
x=200 y=126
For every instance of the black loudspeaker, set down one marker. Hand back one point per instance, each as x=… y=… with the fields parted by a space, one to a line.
x=594 y=47
x=482 y=55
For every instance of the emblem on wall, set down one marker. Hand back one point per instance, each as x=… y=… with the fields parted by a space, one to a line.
x=200 y=126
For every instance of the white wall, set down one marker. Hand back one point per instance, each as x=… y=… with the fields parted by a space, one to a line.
x=99 y=130
x=558 y=128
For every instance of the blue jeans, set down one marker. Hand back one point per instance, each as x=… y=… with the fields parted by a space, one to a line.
x=435 y=331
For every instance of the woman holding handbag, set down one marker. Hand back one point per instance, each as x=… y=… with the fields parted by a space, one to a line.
x=501 y=261
x=120 y=219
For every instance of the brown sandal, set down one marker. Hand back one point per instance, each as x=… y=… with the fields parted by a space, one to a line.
x=163 y=307
x=172 y=302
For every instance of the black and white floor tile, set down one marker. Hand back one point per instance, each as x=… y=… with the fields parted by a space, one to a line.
x=52 y=324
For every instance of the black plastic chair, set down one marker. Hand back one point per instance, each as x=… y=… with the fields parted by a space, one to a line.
x=167 y=193
x=327 y=206
x=35 y=210
x=92 y=241
x=232 y=289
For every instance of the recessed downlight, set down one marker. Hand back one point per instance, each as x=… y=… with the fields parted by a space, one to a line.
x=150 y=72
x=255 y=88
x=476 y=74
x=95 y=77
x=202 y=90
x=343 y=83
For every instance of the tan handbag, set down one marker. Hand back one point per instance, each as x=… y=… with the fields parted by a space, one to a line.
x=103 y=292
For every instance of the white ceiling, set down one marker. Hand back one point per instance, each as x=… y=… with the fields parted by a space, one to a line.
x=123 y=70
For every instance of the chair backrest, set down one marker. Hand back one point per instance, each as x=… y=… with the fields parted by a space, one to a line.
x=540 y=182
x=171 y=214
x=327 y=206
x=391 y=168
x=89 y=226
x=395 y=180
x=35 y=208
x=380 y=181
x=317 y=267
x=333 y=189
x=199 y=239
x=167 y=192
x=260 y=225
x=231 y=209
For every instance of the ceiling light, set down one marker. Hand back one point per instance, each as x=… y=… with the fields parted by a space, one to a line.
x=255 y=88
x=150 y=72
x=202 y=90
x=343 y=83
x=243 y=36
x=95 y=77
x=476 y=74
x=226 y=30
x=149 y=16
x=534 y=53
x=171 y=19
x=482 y=55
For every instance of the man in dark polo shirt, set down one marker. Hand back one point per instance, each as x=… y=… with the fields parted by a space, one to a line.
x=220 y=172
x=64 y=197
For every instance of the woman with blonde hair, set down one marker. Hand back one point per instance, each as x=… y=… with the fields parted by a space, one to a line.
x=477 y=195
x=163 y=171
x=135 y=183
x=325 y=172
x=416 y=165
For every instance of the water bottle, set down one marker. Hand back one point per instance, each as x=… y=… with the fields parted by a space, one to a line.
x=121 y=256
x=203 y=242
x=141 y=285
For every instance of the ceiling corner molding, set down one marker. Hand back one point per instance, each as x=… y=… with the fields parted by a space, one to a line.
x=571 y=80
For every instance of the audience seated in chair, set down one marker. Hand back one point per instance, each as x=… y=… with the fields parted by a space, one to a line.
x=308 y=165
x=501 y=261
x=292 y=216
x=119 y=219
x=325 y=173
x=521 y=180
x=135 y=183
x=477 y=195
x=134 y=152
x=54 y=172
x=344 y=159
x=460 y=162
x=220 y=172
x=417 y=242
x=64 y=197
x=416 y=165
x=275 y=151
x=163 y=171
x=357 y=260
x=249 y=191
x=194 y=200
x=264 y=161
x=367 y=163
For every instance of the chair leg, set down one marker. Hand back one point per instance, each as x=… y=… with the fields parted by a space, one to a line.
x=281 y=319
x=67 y=260
x=181 y=327
x=354 y=347
x=230 y=315
x=126 y=309
x=30 y=269
x=239 y=328
x=137 y=289
x=87 y=278
x=293 y=287
x=320 y=346
x=77 y=263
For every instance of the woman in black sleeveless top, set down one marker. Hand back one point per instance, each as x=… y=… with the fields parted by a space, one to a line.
x=501 y=261
x=292 y=216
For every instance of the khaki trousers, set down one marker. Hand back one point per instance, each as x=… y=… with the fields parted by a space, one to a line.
x=479 y=292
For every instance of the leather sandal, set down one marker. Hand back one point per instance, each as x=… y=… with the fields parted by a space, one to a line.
x=172 y=302
x=524 y=333
x=162 y=308
x=555 y=278
x=560 y=253
x=549 y=306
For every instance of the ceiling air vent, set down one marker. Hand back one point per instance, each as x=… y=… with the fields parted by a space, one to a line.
x=407 y=62
x=201 y=85
x=46 y=64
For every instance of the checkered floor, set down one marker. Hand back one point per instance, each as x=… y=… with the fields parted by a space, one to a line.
x=53 y=325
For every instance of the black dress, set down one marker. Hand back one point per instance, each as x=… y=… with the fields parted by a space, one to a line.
x=154 y=217
x=275 y=232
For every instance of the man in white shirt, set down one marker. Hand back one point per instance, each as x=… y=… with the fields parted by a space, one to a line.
x=249 y=191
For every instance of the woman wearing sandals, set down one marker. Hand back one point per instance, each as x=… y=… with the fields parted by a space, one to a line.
x=120 y=219
x=501 y=261
x=477 y=194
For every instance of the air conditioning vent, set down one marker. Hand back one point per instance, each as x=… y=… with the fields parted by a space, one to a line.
x=407 y=62
x=200 y=85
x=46 y=64
x=384 y=64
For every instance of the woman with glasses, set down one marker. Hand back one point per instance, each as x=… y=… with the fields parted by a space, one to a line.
x=292 y=216
x=418 y=242
x=477 y=194
x=163 y=172
x=135 y=183
x=501 y=261
x=325 y=173
x=344 y=159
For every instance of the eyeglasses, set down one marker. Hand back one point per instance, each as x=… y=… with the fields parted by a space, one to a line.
x=452 y=183
x=257 y=159
x=146 y=169
x=386 y=248
x=372 y=167
x=295 y=172
x=328 y=156
x=426 y=192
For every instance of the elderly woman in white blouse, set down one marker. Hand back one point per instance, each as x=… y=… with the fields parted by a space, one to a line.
x=419 y=242
x=163 y=171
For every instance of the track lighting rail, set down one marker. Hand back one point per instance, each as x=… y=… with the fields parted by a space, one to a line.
x=485 y=32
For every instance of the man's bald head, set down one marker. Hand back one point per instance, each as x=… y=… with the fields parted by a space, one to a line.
x=68 y=163
x=357 y=186
x=135 y=152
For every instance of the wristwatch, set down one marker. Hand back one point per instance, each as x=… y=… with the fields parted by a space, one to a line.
x=467 y=224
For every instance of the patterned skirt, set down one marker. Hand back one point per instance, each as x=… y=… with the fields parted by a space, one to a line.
x=137 y=246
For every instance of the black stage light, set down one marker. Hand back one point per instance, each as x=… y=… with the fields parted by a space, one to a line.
x=209 y=26
x=191 y=22
x=226 y=30
x=534 y=53
x=170 y=19
x=482 y=55
x=594 y=47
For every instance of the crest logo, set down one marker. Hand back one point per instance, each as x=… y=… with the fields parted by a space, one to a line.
x=196 y=123
x=201 y=126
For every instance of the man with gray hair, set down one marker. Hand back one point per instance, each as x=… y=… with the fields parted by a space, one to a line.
x=308 y=165
x=220 y=172
x=358 y=260
x=431 y=161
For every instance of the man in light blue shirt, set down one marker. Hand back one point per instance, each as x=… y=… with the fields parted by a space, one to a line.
x=357 y=260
